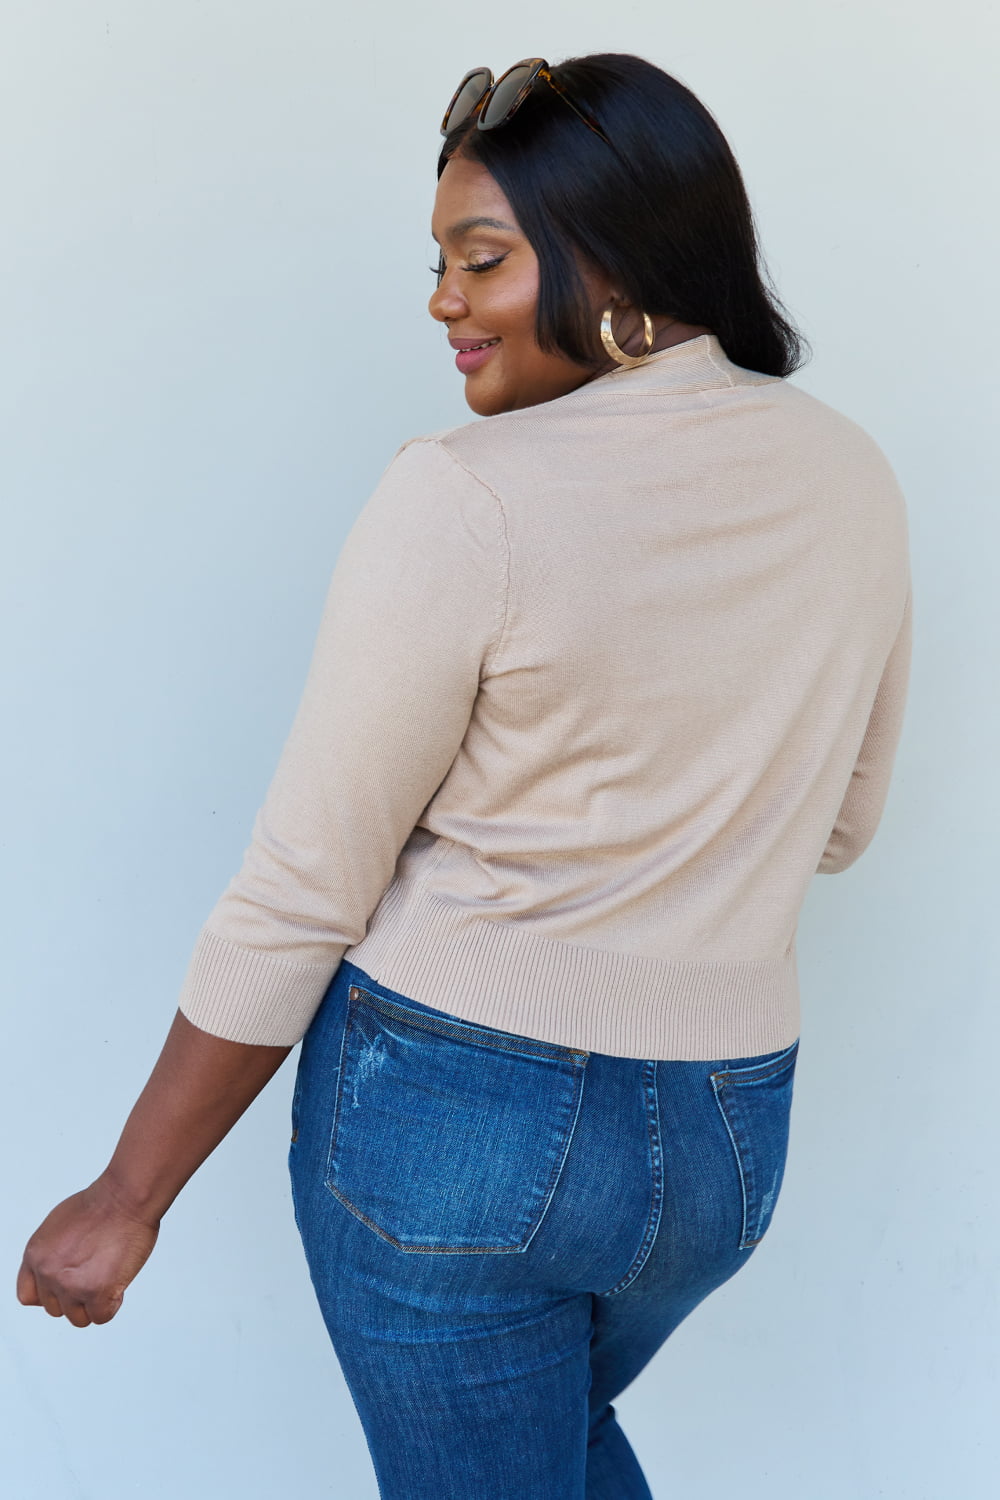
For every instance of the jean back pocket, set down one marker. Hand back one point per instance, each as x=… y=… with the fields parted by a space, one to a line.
x=448 y=1137
x=755 y=1103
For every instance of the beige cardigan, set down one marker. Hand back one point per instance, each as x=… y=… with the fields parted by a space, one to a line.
x=599 y=686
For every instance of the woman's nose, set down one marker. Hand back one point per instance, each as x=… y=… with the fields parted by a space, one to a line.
x=446 y=302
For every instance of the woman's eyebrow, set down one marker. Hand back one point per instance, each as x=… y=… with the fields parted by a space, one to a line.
x=475 y=221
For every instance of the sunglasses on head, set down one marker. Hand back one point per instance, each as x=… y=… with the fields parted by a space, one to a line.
x=497 y=101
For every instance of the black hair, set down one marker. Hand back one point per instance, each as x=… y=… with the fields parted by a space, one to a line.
x=662 y=209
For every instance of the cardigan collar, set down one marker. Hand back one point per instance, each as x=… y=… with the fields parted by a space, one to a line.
x=697 y=364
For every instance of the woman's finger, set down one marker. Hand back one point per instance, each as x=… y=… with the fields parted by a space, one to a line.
x=77 y=1314
x=27 y=1290
x=52 y=1304
x=105 y=1309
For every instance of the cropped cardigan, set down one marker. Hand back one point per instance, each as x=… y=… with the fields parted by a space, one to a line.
x=599 y=685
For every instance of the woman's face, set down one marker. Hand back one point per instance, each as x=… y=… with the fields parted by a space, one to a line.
x=488 y=294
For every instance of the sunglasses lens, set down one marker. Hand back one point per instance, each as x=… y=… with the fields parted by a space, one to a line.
x=504 y=96
x=468 y=96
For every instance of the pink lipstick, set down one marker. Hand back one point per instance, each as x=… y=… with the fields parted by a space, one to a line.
x=471 y=357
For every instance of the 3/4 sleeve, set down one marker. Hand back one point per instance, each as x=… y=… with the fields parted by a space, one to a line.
x=413 y=616
x=864 y=801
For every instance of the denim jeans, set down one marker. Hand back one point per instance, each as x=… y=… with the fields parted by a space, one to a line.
x=501 y=1233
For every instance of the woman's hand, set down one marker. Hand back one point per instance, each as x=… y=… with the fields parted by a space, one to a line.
x=81 y=1258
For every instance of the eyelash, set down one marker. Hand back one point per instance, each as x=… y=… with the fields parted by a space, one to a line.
x=485 y=265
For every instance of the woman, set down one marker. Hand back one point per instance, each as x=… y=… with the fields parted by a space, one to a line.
x=602 y=681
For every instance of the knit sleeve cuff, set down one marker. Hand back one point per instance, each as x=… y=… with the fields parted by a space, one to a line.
x=244 y=995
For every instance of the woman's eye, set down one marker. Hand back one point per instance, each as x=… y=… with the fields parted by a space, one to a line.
x=482 y=265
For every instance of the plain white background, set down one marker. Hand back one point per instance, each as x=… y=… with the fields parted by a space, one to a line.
x=214 y=337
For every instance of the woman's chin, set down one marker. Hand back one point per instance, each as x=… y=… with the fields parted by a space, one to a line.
x=483 y=401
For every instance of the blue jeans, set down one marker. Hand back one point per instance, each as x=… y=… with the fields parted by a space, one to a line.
x=501 y=1233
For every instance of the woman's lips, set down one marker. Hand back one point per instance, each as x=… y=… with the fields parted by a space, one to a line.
x=468 y=360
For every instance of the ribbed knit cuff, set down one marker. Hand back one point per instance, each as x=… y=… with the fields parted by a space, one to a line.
x=244 y=995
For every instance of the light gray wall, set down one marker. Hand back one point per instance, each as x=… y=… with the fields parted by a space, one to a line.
x=214 y=336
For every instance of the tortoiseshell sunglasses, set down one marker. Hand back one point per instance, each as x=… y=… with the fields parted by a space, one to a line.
x=496 y=102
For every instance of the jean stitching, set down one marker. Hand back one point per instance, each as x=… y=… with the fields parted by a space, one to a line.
x=759 y=1072
x=744 y=1244
x=422 y=1249
x=328 y=1173
x=577 y=1078
x=557 y=1169
x=749 y=1078
x=470 y=1032
x=652 y=1108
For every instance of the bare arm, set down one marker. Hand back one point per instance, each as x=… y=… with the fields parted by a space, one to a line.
x=81 y=1258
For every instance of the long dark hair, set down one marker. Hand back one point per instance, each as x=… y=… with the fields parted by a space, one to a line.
x=663 y=210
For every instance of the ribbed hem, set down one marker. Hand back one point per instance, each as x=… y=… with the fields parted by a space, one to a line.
x=244 y=995
x=597 y=1001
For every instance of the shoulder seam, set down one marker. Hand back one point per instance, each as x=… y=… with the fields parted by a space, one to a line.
x=715 y=363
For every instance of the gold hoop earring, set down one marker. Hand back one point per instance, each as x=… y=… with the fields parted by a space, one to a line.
x=617 y=353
